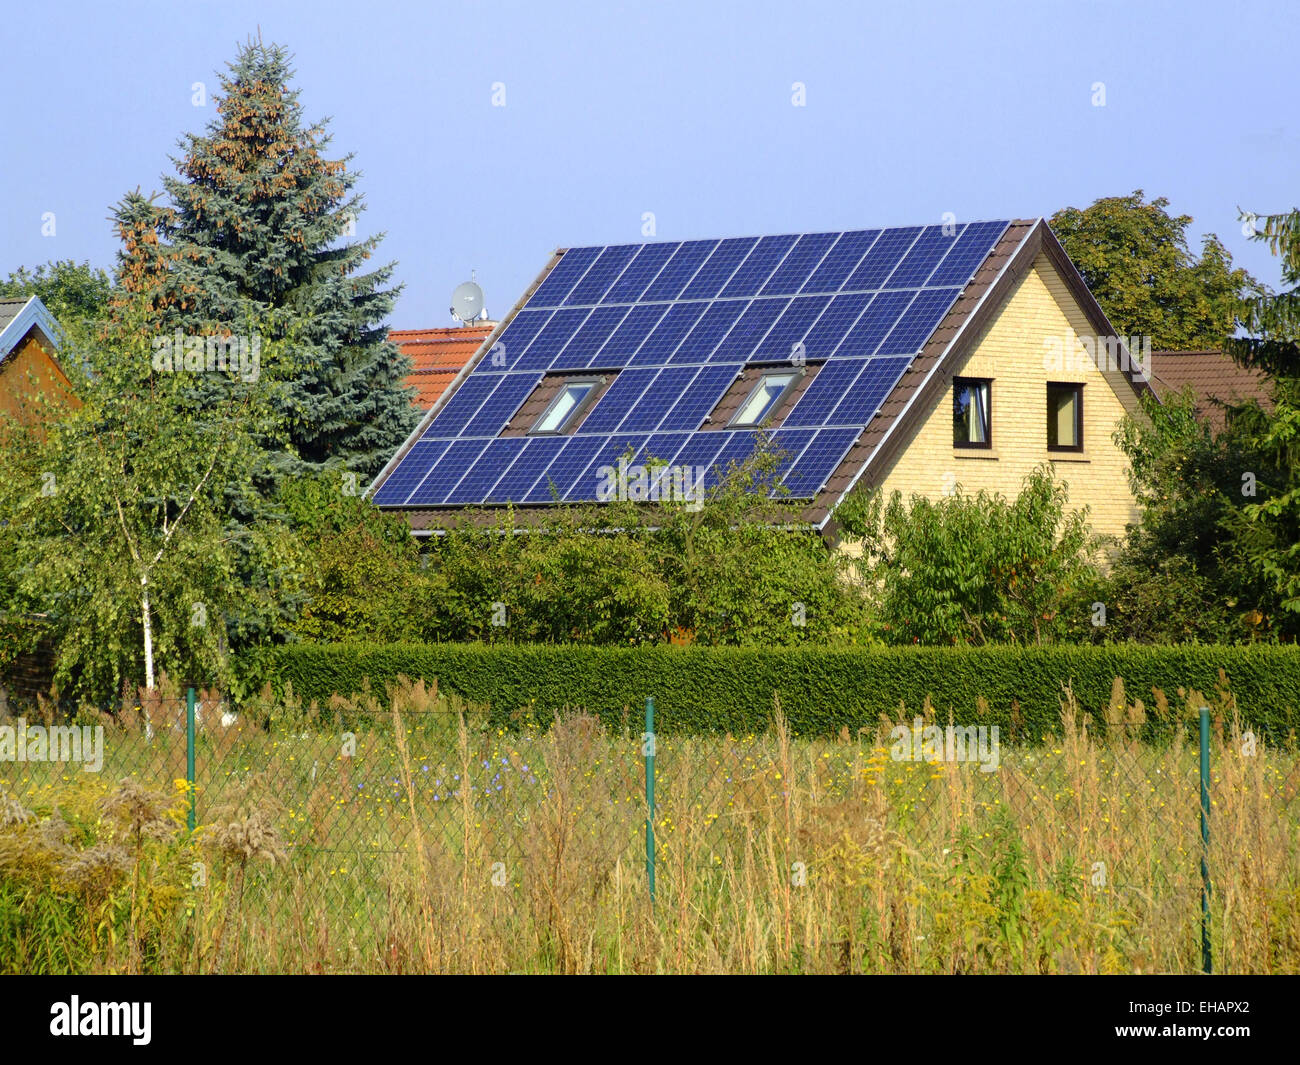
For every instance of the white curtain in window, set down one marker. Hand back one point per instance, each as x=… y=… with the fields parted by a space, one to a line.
x=978 y=413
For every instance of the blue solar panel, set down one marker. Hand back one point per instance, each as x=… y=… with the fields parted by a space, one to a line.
x=446 y=471
x=819 y=460
x=589 y=338
x=665 y=391
x=566 y=273
x=841 y=261
x=699 y=452
x=789 y=330
x=673 y=324
x=825 y=391
x=487 y=470
x=618 y=399
x=829 y=329
x=514 y=341
x=463 y=405
x=931 y=246
x=662 y=448
x=715 y=273
x=564 y=469
x=788 y=445
x=749 y=331
x=499 y=407
x=689 y=411
x=554 y=335
x=410 y=472
x=739 y=446
x=603 y=273
x=876 y=322
x=589 y=485
x=631 y=334
x=885 y=255
x=639 y=273
x=798 y=266
x=965 y=257
x=918 y=321
x=668 y=334
x=759 y=266
x=712 y=326
x=528 y=467
x=868 y=391
x=681 y=268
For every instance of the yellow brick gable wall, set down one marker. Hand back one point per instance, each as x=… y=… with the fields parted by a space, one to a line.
x=1011 y=352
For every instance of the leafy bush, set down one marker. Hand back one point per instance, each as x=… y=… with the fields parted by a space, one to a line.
x=975 y=569
x=821 y=690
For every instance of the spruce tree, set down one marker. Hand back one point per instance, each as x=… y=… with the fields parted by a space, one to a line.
x=255 y=237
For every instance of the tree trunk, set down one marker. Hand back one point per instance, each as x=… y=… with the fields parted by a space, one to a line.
x=147 y=618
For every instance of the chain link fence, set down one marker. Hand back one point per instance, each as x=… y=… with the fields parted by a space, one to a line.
x=429 y=837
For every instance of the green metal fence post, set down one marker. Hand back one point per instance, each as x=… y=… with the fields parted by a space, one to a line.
x=1207 y=964
x=648 y=750
x=189 y=753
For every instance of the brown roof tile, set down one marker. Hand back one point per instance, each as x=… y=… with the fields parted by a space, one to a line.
x=437 y=355
x=1214 y=378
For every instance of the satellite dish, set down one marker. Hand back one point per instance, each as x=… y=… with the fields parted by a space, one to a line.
x=467 y=302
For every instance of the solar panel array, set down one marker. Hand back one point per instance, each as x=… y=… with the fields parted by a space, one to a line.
x=676 y=323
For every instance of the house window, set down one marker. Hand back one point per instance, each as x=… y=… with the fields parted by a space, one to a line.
x=572 y=399
x=1064 y=417
x=971 y=421
x=765 y=397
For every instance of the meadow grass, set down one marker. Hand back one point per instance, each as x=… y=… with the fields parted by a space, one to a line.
x=425 y=839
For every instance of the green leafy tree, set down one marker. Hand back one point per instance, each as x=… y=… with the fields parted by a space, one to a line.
x=116 y=514
x=975 y=569
x=256 y=229
x=1269 y=527
x=72 y=292
x=1135 y=259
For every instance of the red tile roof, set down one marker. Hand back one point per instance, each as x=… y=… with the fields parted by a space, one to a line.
x=1214 y=378
x=437 y=355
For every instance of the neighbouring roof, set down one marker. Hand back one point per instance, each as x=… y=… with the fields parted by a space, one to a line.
x=437 y=355
x=1215 y=379
x=18 y=316
x=882 y=315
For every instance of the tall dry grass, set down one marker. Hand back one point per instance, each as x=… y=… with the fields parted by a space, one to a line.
x=422 y=839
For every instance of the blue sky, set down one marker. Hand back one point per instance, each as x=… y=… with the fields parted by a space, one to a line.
x=684 y=110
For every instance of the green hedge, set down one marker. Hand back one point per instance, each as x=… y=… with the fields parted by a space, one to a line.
x=709 y=689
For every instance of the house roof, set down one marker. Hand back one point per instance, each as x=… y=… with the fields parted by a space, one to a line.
x=902 y=305
x=1215 y=379
x=19 y=316
x=437 y=355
